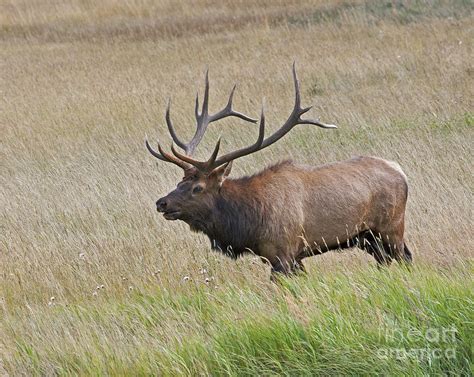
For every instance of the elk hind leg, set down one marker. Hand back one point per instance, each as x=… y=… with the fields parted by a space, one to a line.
x=397 y=248
x=298 y=267
x=373 y=244
x=279 y=268
x=407 y=255
x=404 y=257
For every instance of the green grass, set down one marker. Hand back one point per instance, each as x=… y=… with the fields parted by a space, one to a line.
x=366 y=322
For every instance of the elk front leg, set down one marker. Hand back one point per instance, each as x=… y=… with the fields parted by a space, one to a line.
x=299 y=267
x=283 y=262
x=287 y=269
x=281 y=267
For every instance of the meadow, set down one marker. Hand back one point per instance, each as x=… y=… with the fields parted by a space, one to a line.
x=93 y=281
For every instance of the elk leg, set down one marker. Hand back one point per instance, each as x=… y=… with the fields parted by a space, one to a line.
x=397 y=248
x=407 y=256
x=404 y=257
x=286 y=269
x=375 y=247
x=298 y=267
x=277 y=272
x=282 y=267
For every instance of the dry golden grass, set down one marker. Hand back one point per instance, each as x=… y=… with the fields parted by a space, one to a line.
x=83 y=82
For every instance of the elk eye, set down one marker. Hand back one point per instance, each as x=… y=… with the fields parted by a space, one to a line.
x=197 y=189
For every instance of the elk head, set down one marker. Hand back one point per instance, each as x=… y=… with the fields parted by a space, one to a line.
x=194 y=198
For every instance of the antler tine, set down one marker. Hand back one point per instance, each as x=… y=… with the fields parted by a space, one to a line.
x=245 y=151
x=205 y=101
x=205 y=166
x=295 y=116
x=203 y=118
x=196 y=107
x=297 y=89
x=228 y=111
x=171 y=128
x=163 y=156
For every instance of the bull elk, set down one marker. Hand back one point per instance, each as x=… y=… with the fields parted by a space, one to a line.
x=288 y=211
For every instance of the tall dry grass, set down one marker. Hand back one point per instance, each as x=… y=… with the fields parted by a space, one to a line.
x=83 y=83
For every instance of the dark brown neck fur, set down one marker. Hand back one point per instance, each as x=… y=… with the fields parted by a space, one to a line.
x=234 y=225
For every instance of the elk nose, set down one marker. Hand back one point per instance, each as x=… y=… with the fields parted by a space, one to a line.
x=161 y=205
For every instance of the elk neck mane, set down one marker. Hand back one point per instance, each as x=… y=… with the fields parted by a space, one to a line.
x=238 y=217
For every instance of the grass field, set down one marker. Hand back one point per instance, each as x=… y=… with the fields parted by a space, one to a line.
x=93 y=281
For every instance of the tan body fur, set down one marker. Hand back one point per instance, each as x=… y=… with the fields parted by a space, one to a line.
x=309 y=210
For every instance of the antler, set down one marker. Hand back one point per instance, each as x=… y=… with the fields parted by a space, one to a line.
x=203 y=119
x=213 y=162
x=295 y=116
x=261 y=143
x=163 y=156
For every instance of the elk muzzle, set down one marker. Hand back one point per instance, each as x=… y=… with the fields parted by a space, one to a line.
x=163 y=206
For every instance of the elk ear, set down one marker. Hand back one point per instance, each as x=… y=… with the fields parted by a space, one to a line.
x=222 y=172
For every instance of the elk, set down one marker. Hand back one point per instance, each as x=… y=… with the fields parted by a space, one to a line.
x=288 y=211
